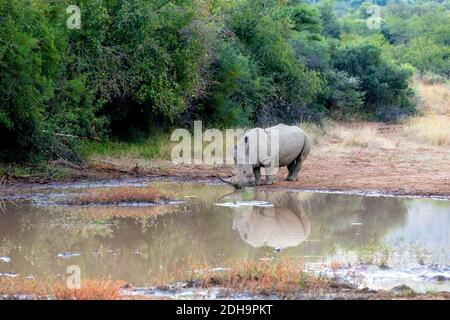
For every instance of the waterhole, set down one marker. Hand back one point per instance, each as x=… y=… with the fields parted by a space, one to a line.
x=371 y=241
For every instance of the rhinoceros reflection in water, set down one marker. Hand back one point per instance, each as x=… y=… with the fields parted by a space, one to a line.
x=280 y=226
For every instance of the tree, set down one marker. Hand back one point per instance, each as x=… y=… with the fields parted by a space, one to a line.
x=385 y=84
x=343 y=95
x=29 y=60
x=426 y=55
x=330 y=25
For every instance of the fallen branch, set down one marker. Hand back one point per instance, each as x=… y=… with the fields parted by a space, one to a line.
x=67 y=164
x=72 y=136
x=110 y=167
x=5 y=174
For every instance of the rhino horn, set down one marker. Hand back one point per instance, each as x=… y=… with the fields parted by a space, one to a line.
x=227 y=180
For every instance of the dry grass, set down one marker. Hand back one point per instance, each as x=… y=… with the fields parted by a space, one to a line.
x=433 y=127
x=11 y=288
x=314 y=132
x=90 y=290
x=359 y=136
x=14 y=288
x=118 y=195
x=434 y=98
x=434 y=130
x=204 y=192
x=282 y=277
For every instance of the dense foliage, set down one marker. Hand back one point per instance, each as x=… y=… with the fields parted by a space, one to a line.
x=136 y=66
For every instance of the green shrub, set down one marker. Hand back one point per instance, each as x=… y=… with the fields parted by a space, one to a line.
x=29 y=59
x=137 y=67
x=426 y=55
x=265 y=31
x=314 y=53
x=386 y=85
x=343 y=95
x=236 y=90
x=330 y=24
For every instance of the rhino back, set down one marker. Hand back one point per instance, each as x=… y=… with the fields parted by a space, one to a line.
x=292 y=139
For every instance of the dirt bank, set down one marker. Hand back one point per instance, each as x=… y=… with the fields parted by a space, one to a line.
x=335 y=292
x=389 y=161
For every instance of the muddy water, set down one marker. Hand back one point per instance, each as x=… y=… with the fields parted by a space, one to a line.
x=375 y=242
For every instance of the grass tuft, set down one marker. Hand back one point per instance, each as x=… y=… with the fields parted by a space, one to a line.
x=360 y=136
x=434 y=98
x=282 y=277
x=157 y=147
x=434 y=130
x=90 y=290
x=21 y=288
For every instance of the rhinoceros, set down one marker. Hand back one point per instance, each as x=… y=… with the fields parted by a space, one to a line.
x=270 y=148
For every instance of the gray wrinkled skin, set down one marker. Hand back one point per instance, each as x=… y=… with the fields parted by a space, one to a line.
x=252 y=157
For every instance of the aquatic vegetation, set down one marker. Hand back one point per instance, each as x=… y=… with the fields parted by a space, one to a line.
x=283 y=277
x=199 y=192
x=374 y=253
x=419 y=252
x=6 y=246
x=14 y=287
x=335 y=265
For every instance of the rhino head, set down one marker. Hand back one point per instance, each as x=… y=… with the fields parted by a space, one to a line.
x=242 y=175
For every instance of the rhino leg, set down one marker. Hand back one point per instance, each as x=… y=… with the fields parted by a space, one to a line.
x=297 y=165
x=269 y=176
x=257 y=173
x=290 y=167
x=293 y=175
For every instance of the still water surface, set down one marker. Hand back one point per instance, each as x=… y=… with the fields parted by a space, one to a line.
x=375 y=242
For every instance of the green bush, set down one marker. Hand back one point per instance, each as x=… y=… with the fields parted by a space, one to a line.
x=343 y=95
x=426 y=55
x=29 y=60
x=137 y=67
x=265 y=31
x=330 y=24
x=314 y=53
x=236 y=90
x=386 y=85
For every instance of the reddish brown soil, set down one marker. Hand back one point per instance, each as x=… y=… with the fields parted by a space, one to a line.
x=405 y=169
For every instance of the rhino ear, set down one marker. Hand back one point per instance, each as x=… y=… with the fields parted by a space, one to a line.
x=267 y=162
